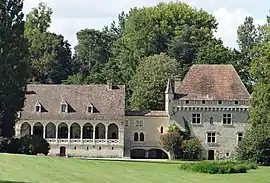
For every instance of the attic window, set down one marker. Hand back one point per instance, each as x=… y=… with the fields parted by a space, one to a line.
x=203 y=102
x=236 y=102
x=219 y=102
x=64 y=106
x=90 y=108
x=38 y=107
x=187 y=101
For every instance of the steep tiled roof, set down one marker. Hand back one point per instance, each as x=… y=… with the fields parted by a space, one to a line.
x=107 y=103
x=213 y=82
x=147 y=113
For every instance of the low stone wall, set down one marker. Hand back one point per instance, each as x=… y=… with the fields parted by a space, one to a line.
x=97 y=151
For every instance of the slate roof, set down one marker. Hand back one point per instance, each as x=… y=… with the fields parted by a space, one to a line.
x=212 y=82
x=107 y=103
x=147 y=113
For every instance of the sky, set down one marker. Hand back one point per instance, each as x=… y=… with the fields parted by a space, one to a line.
x=70 y=16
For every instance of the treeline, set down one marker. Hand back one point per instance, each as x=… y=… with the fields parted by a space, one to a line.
x=144 y=48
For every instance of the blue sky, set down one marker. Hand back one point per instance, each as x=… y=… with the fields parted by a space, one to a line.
x=70 y=16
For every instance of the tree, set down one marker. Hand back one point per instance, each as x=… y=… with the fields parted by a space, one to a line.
x=153 y=30
x=192 y=149
x=172 y=143
x=50 y=54
x=149 y=82
x=13 y=64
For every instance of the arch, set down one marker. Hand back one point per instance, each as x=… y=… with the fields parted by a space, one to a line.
x=157 y=154
x=141 y=136
x=88 y=131
x=25 y=129
x=137 y=154
x=136 y=137
x=75 y=131
x=100 y=131
x=38 y=129
x=50 y=130
x=62 y=131
x=113 y=131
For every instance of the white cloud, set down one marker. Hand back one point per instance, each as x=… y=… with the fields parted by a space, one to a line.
x=70 y=16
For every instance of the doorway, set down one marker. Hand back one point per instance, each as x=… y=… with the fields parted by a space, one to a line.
x=211 y=155
x=62 y=151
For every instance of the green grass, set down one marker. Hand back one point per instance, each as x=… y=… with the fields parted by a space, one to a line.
x=22 y=169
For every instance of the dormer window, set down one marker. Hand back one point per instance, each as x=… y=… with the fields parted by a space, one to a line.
x=64 y=106
x=38 y=107
x=90 y=108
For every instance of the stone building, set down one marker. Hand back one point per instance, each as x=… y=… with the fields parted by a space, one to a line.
x=91 y=121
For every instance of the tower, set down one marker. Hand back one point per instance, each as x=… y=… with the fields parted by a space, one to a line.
x=169 y=95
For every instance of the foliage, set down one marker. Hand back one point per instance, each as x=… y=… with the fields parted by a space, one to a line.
x=255 y=146
x=13 y=64
x=50 y=54
x=172 y=143
x=218 y=167
x=31 y=145
x=174 y=128
x=149 y=82
x=192 y=149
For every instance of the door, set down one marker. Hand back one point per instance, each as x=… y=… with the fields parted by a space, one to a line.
x=211 y=155
x=62 y=151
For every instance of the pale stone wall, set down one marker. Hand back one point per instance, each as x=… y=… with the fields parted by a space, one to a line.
x=78 y=146
x=226 y=135
x=151 y=129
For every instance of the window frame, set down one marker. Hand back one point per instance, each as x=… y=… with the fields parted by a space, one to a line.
x=196 y=118
x=226 y=117
x=211 y=137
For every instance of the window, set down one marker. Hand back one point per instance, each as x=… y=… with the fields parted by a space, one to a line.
x=138 y=123
x=87 y=148
x=64 y=108
x=38 y=107
x=211 y=137
x=211 y=120
x=141 y=122
x=203 y=102
x=227 y=119
x=227 y=154
x=112 y=148
x=136 y=136
x=219 y=102
x=187 y=101
x=90 y=109
x=141 y=136
x=99 y=148
x=75 y=148
x=240 y=137
x=126 y=122
x=236 y=102
x=161 y=129
x=196 y=118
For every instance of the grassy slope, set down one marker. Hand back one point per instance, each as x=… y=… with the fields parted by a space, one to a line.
x=21 y=169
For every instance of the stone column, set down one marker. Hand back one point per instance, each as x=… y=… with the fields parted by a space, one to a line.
x=146 y=153
x=56 y=135
x=44 y=132
x=106 y=133
x=81 y=134
x=94 y=134
x=32 y=130
x=68 y=134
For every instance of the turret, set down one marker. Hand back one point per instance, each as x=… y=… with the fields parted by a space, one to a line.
x=169 y=95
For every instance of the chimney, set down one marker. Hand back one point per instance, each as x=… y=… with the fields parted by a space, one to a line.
x=109 y=84
x=177 y=82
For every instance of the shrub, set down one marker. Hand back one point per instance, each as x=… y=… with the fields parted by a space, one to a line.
x=255 y=146
x=191 y=149
x=172 y=142
x=218 y=167
x=31 y=145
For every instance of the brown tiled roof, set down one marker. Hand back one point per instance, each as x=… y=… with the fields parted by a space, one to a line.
x=147 y=113
x=213 y=82
x=107 y=103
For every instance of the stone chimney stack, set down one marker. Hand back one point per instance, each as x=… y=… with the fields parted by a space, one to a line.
x=177 y=82
x=110 y=84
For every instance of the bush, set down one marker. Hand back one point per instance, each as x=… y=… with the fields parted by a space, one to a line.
x=255 y=146
x=172 y=142
x=31 y=145
x=218 y=167
x=191 y=149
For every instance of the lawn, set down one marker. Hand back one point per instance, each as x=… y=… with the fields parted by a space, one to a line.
x=38 y=169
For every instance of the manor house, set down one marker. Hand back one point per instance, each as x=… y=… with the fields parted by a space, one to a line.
x=91 y=121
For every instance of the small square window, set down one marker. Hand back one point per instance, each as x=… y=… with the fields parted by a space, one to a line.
x=236 y=102
x=126 y=122
x=99 y=148
x=38 y=108
x=219 y=102
x=240 y=137
x=112 y=148
x=90 y=109
x=227 y=154
x=63 y=107
x=87 y=148
x=187 y=101
x=203 y=102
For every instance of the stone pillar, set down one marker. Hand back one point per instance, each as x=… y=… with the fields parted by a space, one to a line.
x=56 y=134
x=68 y=134
x=32 y=130
x=17 y=130
x=94 y=134
x=44 y=132
x=81 y=134
x=146 y=153
x=106 y=134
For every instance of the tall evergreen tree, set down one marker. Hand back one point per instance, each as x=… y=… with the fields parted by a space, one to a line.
x=13 y=64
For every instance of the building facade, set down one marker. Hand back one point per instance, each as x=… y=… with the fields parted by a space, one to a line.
x=91 y=121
